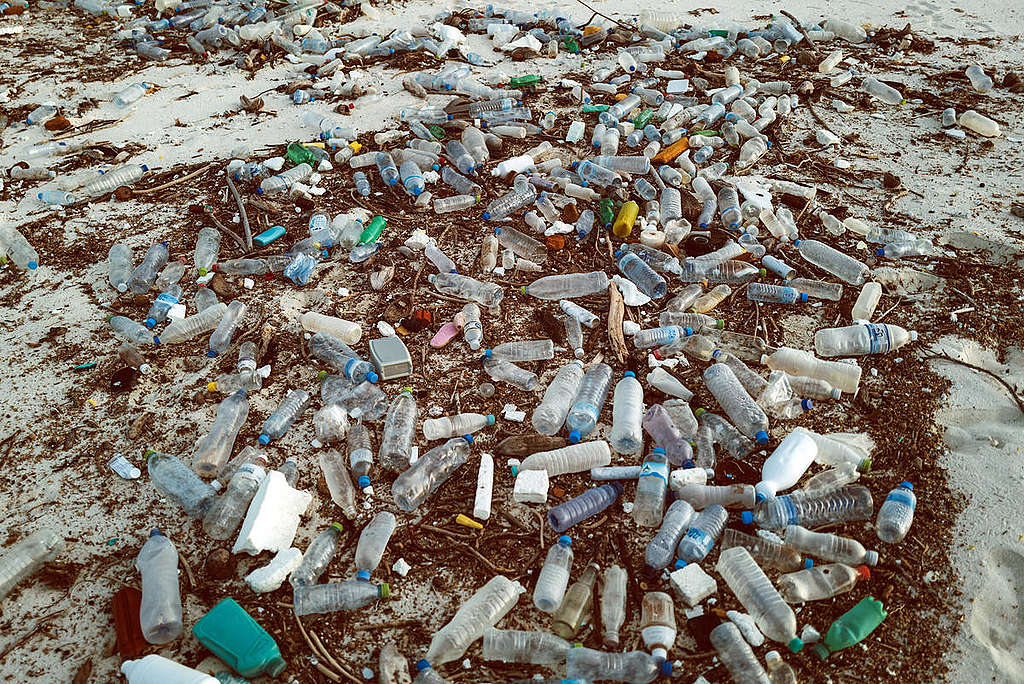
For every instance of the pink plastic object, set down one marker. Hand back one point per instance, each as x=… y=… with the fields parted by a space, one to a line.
x=445 y=335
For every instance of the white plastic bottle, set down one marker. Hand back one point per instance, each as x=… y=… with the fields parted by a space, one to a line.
x=896 y=514
x=484 y=488
x=844 y=376
x=160 y=612
x=786 y=465
x=346 y=331
x=627 y=413
x=858 y=340
x=457 y=425
x=979 y=123
x=575 y=458
x=155 y=669
x=554 y=576
x=867 y=302
x=658 y=623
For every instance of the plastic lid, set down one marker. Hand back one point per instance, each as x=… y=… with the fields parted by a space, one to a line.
x=156 y=532
x=688 y=464
x=880 y=251
x=700 y=411
x=149 y=322
x=488 y=353
x=385 y=592
x=364 y=481
x=490 y=419
x=806 y=404
x=680 y=564
x=658 y=450
x=760 y=498
x=803 y=297
x=422 y=665
x=747 y=517
x=688 y=332
x=275 y=666
x=486 y=215
x=212 y=353
x=372 y=377
x=808 y=563
x=212 y=387
x=720 y=324
x=821 y=650
x=761 y=437
x=497 y=231
x=795 y=644
x=363 y=575
x=772 y=655
x=575 y=436
x=629 y=374
x=264 y=439
x=338 y=526
x=468 y=438
x=565 y=540
x=865 y=466
x=907 y=485
x=666 y=669
x=863 y=572
x=796 y=242
x=32 y=265
x=156 y=340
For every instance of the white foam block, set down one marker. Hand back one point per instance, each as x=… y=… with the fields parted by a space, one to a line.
x=684 y=476
x=273 y=516
x=272 y=575
x=692 y=584
x=531 y=486
x=484 y=488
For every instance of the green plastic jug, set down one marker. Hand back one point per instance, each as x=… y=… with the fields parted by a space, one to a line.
x=239 y=641
x=852 y=627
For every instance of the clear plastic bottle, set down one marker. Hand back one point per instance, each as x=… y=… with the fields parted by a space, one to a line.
x=509 y=203
x=712 y=298
x=635 y=667
x=373 y=540
x=576 y=605
x=519 y=646
x=550 y=414
x=586 y=505
x=221 y=337
x=694 y=321
x=681 y=414
x=521 y=244
x=575 y=458
x=554 y=576
x=180 y=483
x=758 y=596
x=160 y=612
x=329 y=598
x=170 y=274
x=289 y=410
x=886 y=93
x=725 y=434
x=187 y=328
x=828 y=546
x=744 y=412
x=228 y=510
x=658 y=623
x=133 y=331
x=360 y=453
x=776 y=294
x=341 y=358
x=651 y=489
x=399 y=432
x=119 y=265
x=843 y=376
x=589 y=401
x=867 y=301
x=700 y=537
x=433 y=469
x=480 y=612
x=981 y=82
x=767 y=553
x=830 y=479
x=661 y=379
x=346 y=331
x=427 y=675
x=207 y=249
x=661 y=550
x=284 y=180
x=613 y=605
x=568 y=286
x=627 y=410
x=463 y=286
x=451 y=426
x=979 y=123
x=642 y=275
x=523 y=350
x=820 y=582
x=858 y=340
x=896 y=514
x=506 y=371
x=128 y=174
x=339 y=482
x=701 y=496
x=145 y=273
x=736 y=655
x=827 y=258
x=317 y=557
x=661 y=337
x=25 y=557
x=852 y=502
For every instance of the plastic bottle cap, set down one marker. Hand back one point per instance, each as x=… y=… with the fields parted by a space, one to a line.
x=385 y=591
x=156 y=532
x=264 y=439
x=760 y=498
x=575 y=436
x=658 y=450
x=863 y=572
x=808 y=563
x=149 y=322
x=807 y=404
x=666 y=669
x=796 y=242
x=364 y=481
x=488 y=353
x=795 y=644
x=865 y=466
x=372 y=377
x=747 y=517
x=803 y=297
x=761 y=437
x=688 y=464
x=629 y=374
x=363 y=575
x=486 y=215
x=422 y=665
x=276 y=666
x=565 y=540
x=490 y=419
x=907 y=485
x=680 y=564
x=720 y=324
x=211 y=353
x=468 y=438
x=156 y=340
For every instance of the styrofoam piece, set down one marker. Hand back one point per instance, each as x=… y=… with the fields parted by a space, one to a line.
x=273 y=574
x=273 y=516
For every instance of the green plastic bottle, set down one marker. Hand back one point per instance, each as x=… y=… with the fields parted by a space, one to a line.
x=643 y=118
x=517 y=81
x=852 y=627
x=606 y=211
x=594 y=108
x=300 y=154
x=373 y=230
x=239 y=641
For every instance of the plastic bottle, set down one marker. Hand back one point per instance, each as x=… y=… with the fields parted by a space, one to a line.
x=474 y=617
x=132 y=331
x=287 y=412
x=154 y=668
x=187 y=328
x=779 y=672
x=744 y=412
x=145 y=273
x=25 y=557
x=830 y=479
x=317 y=557
x=119 y=264
x=777 y=294
x=627 y=409
x=842 y=266
x=576 y=605
x=660 y=337
x=661 y=550
x=207 y=249
x=450 y=426
x=399 y=432
x=360 y=453
x=651 y=489
x=586 y=505
x=427 y=675
x=613 y=605
x=851 y=627
x=339 y=482
x=820 y=582
x=568 y=286
x=635 y=667
x=858 y=340
x=712 y=298
x=661 y=379
x=767 y=553
x=843 y=376
x=239 y=641
x=523 y=350
x=226 y=513
x=840 y=505
x=867 y=302
x=372 y=542
x=896 y=514
x=285 y=180
x=736 y=655
x=346 y=331
x=459 y=285
x=755 y=591
x=642 y=275
x=554 y=576
x=658 y=623
x=160 y=613
x=979 y=123
x=115 y=178
x=433 y=469
x=575 y=458
x=886 y=93
x=179 y=483
x=828 y=546
x=589 y=401
x=518 y=646
x=329 y=598
x=521 y=244
x=700 y=496
x=506 y=371
x=786 y=465
x=550 y=414
x=700 y=537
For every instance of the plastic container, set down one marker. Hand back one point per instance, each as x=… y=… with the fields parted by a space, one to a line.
x=700 y=537
x=519 y=646
x=226 y=513
x=179 y=483
x=25 y=557
x=820 y=582
x=635 y=667
x=858 y=340
x=373 y=540
x=550 y=414
x=586 y=408
x=651 y=489
x=851 y=627
x=766 y=552
x=568 y=286
x=480 y=612
x=896 y=514
x=576 y=605
x=213 y=450
x=289 y=410
x=554 y=576
x=744 y=412
x=786 y=465
x=758 y=596
x=317 y=557
x=160 y=612
x=736 y=655
x=238 y=640
x=613 y=605
x=433 y=469
x=330 y=598
x=155 y=669
x=828 y=546
x=450 y=426
x=627 y=411
x=586 y=505
x=839 y=505
x=658 y=623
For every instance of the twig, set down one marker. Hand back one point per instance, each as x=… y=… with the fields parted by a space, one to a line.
x=312 y=647
x=188 y=570
x=616 y=311
x=799 y=27
x=338 y=667
x=617 y=23
x=1009 y=388
x=177 y=181
x=224 y=229
x=28 y=635
x=241 y=210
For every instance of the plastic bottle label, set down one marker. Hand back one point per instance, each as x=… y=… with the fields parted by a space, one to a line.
x=878 y=337
x=701 y=539
x=788 y=511
x=654 y=469
x=902 y=497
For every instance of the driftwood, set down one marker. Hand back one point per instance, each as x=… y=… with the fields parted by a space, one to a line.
x=616 y=312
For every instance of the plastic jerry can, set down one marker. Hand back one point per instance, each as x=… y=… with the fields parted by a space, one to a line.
x=239 y=641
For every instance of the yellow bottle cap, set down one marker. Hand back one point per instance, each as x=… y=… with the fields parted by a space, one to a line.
x=466 y=521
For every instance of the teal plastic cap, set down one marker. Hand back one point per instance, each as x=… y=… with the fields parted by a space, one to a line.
x=629 y=374
x=490 y=419
x=468 y=438
x=565 y=540
x=795 y=644
x=575 y=437
x=372 y=377
x=658 y=450
x=747 y=517
x=364 y=481
x=264 y=439
x=907 y=485
x=808 y=563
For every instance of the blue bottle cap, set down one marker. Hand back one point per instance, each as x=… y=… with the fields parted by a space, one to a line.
x=575 y=437
x=264 y=439
x=497 y=231
x=747 y=517
x=155 y=532
x=33 y=265
x=658 y=450
x=486 y=215
x=761 y=437
x=363 y=575
x=619 y=253
x=372 y=377
x=760 y=498
x=565 y=540
x=907 y=485
x=796 y=242
x=808 y=563
x=880 y=251
x=666 y=669
x=149 y=322
x=488 y=353
x=211 y=353
x=364 y=481
x=680 y=563
x=689 y=332
x=803 y=297
x=807 y=404
x=688 y=464
x=422 y=665
x=468 y=438
x=629 y=374
x=156 y=340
